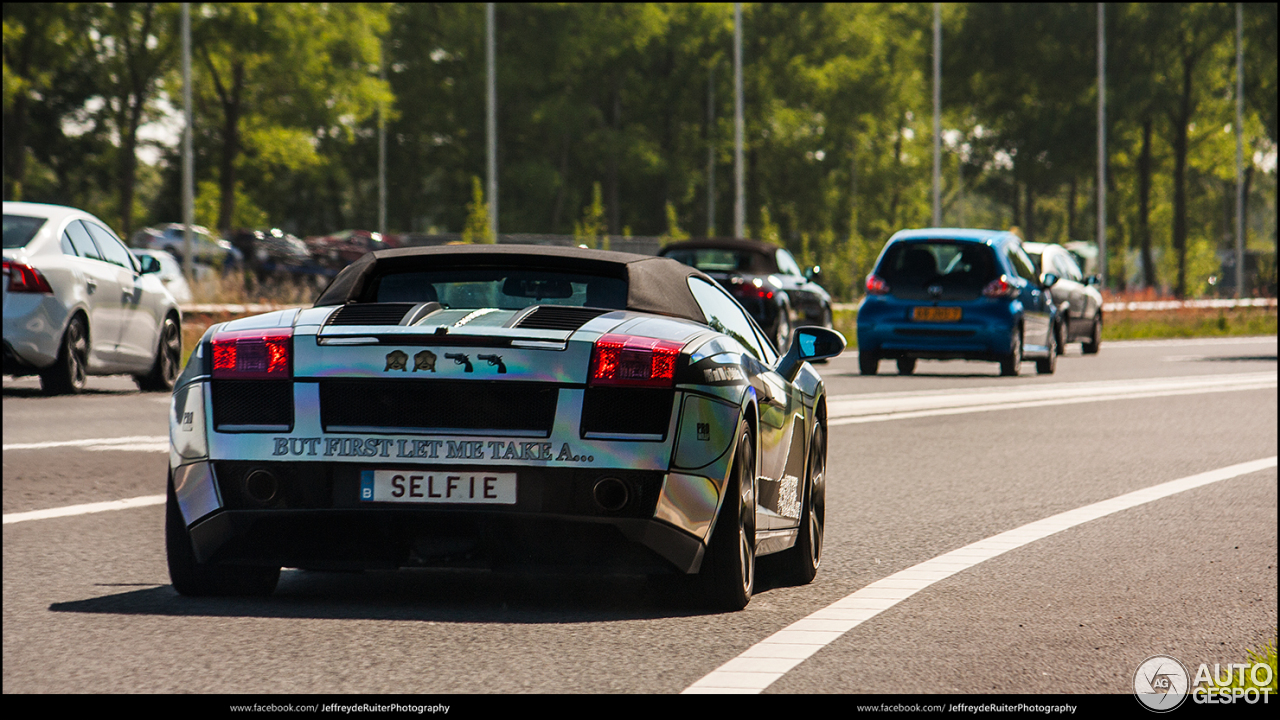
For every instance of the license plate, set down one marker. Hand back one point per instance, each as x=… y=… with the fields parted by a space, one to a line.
x=438 y=486
x=936 y=314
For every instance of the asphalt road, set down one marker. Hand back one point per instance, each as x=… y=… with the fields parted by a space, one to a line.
x=88 y=607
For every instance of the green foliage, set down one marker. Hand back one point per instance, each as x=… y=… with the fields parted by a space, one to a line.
x=768 y=230
x=477 y=229
x=674 y=233
x=603 y=120
x=590 y=231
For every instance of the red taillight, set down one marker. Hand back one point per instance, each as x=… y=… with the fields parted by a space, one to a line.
x=632 y=361
x=999 y=288
x=25 y=279
x=253 y=355
x=876 y=285
x=751 y=291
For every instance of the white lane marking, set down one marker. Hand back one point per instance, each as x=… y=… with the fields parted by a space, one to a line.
x=101 y=443
x=846 y=409
x=134 y=447
x=762 y=664
x=85 y=509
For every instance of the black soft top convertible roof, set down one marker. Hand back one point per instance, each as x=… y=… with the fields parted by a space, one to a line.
x=654 y=284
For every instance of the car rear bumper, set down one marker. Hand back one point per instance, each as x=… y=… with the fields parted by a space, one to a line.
x=312 y=516
x=983 y=332
x=33 y=325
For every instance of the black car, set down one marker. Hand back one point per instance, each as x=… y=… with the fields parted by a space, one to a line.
x=500 y=406
x=764 y=278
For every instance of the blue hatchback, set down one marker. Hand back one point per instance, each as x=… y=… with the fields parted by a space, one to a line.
x=947 y=294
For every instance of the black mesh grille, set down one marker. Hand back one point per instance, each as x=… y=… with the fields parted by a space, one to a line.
x=252 y=402
x=555 y=317
x=370 y=314
x=436 y=405
x=640 y=411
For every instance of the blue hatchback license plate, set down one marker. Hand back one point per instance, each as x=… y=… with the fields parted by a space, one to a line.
x=936 y=314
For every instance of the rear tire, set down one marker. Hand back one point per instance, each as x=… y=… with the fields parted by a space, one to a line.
x=728 y=573
x=69 y=372
x=164 y=372
x=906 y=366
x=195 y=579
x=1090 y=346
x=1046 y=365
x=868 y=363
x=782 y=335
x=1011 y=364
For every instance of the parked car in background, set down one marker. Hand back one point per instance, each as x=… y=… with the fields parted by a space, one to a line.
x=459 y=406
x=764 y=278
x=947 y=293
x=170 y=273
x=208 y=249
x=78 y=303
x=272 y=246
x=1078 y=298
x=346 y=246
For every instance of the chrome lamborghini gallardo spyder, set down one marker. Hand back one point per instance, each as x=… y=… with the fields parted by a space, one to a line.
x=500 y=406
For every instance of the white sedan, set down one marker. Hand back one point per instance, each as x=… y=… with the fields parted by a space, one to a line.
x=78 y=303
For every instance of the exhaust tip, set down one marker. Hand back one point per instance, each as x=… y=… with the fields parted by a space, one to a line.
x=611 y=494
x=261 y=486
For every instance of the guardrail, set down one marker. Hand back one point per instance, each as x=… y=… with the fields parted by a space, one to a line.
x=1148 y=305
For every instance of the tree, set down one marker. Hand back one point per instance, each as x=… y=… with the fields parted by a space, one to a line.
x=283 y=76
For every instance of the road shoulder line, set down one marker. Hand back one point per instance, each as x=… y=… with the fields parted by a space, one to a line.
x=768 y=660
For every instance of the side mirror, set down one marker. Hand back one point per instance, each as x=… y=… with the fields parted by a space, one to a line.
x=148 y=264
x=809 y=343
x=1049 y=280
x=813 y=273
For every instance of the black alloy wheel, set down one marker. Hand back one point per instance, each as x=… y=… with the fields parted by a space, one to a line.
x=1090 y=346
x=728 y=571
x=164 y=372
x=190 y=577
x=69 y=372
x=1011 y=364
x=906 y=366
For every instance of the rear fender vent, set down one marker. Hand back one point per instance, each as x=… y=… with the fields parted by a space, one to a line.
x=557 y=317
x=370 y=314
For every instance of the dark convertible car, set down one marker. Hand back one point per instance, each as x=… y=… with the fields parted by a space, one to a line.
x=765 y=278
x=500 y=406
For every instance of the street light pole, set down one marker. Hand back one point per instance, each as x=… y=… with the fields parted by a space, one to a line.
x=937 y=114
x=491 y=123
x=1102 y=145
x=739 y=200
x=188 y=161
x=1240 y=285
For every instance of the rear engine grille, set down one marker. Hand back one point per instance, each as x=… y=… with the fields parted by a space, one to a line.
x=556 y=317
x=436 y=406
x=252 y=404
x=370 y=314
x=626 y=411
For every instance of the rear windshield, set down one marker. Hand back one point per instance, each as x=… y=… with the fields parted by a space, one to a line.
x=952 y=265
x=720 y=260
x=19 y=229
x=503 y=288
